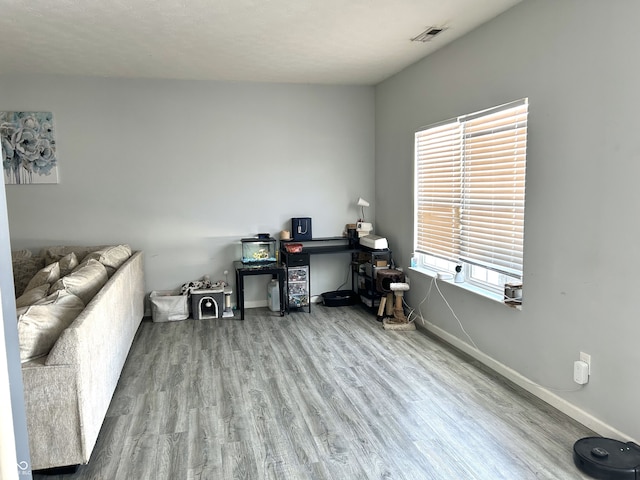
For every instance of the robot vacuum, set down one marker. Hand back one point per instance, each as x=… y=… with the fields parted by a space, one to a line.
x=607 y=459
x=339 y=298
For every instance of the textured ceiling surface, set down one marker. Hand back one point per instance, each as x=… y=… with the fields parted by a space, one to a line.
x=301 y=41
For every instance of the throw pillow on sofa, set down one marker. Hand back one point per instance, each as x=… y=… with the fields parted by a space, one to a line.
x=112 y=257
x=48 y=274
x=55 y=253
x=40 y=325
x=32 y=296
x=67 y=264
x=85 y=281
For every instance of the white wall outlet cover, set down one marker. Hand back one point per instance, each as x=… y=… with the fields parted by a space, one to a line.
x=586 y=358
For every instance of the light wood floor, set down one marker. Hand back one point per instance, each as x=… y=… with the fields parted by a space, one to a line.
x=326 y=395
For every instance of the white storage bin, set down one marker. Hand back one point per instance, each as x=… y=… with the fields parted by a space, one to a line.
x=168 y=306
x=273 y=296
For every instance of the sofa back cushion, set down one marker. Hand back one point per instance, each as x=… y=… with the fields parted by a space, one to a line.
x=85 y=281
x=31 y=271
x=32 y=296
x=48 y=274
x=40 y=325
x=20 y=254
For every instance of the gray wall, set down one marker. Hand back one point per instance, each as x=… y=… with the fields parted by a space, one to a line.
x=582 y=195
x=184 y=170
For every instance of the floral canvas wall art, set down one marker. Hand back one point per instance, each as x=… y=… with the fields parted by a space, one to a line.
x=28 y=148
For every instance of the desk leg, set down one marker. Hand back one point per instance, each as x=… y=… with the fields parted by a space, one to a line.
x=283 y=294
x=240 y=293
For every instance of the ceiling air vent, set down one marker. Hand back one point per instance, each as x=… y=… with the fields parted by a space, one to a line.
x=428 y=34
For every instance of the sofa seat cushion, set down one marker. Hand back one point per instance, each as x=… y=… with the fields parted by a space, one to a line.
x=32 y=296
x=85 y=281
x=49 y=274
x=40 y=325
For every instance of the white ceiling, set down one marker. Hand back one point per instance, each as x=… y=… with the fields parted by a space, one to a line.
x=358 y=42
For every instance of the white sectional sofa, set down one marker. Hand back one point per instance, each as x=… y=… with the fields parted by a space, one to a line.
x=68 y=387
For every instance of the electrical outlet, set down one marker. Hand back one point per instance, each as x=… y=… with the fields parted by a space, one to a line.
x=586 y=358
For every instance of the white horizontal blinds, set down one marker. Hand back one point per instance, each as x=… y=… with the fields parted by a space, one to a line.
x=492 y=216
x=438 y=189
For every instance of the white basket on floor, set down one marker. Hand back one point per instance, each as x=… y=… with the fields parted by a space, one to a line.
x=168 y=306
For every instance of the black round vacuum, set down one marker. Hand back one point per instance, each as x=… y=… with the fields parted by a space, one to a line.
x=607 y=459
x=339 y=298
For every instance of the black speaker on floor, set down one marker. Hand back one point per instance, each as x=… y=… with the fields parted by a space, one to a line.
x=607 y=459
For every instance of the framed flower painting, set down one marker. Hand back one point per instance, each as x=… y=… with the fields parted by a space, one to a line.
x=28 y=148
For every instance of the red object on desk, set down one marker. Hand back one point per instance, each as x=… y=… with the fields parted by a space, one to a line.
x=293 y=247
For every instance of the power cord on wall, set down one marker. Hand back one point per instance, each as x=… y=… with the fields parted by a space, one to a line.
x=421 y=317
x=346 y=278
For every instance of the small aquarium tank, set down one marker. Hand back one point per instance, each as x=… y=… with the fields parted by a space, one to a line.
x=261 y=249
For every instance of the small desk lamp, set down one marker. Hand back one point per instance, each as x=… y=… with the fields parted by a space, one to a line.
x=363 y=227
x=362 y=203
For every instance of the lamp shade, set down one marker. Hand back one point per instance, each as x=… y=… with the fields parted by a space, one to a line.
x=362 y=202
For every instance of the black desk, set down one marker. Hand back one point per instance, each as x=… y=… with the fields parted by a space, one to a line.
x=243 y=269
x=320 y=245
x=323 y=245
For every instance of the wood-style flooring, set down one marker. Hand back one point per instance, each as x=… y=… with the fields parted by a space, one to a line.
x=325 y=395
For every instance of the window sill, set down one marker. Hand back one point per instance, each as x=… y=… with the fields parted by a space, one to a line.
x=496 y=297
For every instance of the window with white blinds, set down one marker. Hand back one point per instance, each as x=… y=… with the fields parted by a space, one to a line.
x=470 y=187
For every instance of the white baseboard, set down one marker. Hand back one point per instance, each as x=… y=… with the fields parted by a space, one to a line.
x=255 y=304
x=542 y=393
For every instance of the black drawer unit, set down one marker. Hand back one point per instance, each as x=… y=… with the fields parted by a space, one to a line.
x=298 y=288
x=298 y=295
x=295 y=259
